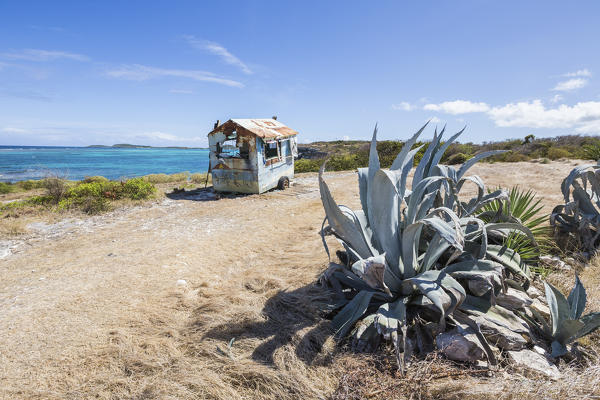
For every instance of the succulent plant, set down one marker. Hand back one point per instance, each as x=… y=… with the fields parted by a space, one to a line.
x=566 y=321
x=414 y=255
x=577 y=222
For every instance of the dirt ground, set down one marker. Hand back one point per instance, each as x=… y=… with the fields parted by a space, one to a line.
x=142 y=303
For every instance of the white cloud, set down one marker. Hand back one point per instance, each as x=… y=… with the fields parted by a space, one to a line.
x=137 y=72
x=571 y=84
x=44 y=55
x=403 y=106
x=218 y=50
x=434 y=120
x=581 y=72
x=457 y=107
x=584 y=117
x=346 y=138
x=556 y=98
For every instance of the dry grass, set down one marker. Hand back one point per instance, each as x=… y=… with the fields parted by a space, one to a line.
x=98 y=313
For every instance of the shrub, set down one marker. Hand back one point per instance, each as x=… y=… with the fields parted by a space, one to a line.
x=307 y=165
x=199 y=178
x=56 y=188
x=30 y=184
x=138 y=189
x=591 y=152
x=164 y=178
x=458 y=158
x=90 y=179
x=555 y=153
x=6 y=188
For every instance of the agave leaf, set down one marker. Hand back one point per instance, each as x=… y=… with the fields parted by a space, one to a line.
x=577 y=299
x=374 y=166
x=423 y=167
x=472 y=161
x=568 y=330
x=390 y=317
x=504 y=227
x=410 y=245
x=591 y=322
x=439 y=153
x=432 y=284
x=416 y=196
x=363 y=185
x=559 y=307
x=384 y=217
x=345 y=319
x=510 y=259
x=372 y=271
x=574 y=174
x=586 y=206
x=437 y=247
x=558 y=349
x=342 y=226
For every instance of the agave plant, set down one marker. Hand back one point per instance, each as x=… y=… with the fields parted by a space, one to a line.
x=567 y=323
x=577 y=222
x=413 y=255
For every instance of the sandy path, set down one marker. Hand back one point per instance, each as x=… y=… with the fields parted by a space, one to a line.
x=67 y=293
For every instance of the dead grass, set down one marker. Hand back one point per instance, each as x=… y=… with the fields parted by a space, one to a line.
x=98 y=313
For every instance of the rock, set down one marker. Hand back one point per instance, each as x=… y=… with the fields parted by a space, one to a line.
x=531 y=361
x=513 y=299
x=181 y=282
x=541 y=308
x=460 y=344
x=502 y=337
x=534 y=292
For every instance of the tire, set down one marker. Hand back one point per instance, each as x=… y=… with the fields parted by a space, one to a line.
x=284 y=183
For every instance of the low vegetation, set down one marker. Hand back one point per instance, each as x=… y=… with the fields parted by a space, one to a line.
x=425 y=270
x=91 y=195
x=349 y=155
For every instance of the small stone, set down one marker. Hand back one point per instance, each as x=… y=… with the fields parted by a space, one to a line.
x=540 y=307
x=534 y=292
x=181 y=282
x=513 y=299
x=528 y=360
x=460 y=344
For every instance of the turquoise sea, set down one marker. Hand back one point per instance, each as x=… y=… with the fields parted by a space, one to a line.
x=27 y=162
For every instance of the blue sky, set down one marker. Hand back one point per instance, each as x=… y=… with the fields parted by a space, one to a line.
x=161 y=72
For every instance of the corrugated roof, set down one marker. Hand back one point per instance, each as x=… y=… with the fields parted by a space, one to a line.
x=264 y=128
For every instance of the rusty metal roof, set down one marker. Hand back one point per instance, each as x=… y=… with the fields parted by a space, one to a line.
x=263 y=128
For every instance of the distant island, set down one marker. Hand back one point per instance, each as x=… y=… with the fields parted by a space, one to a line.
x=138 y=146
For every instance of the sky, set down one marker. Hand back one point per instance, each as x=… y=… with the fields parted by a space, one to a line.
x=161 y=73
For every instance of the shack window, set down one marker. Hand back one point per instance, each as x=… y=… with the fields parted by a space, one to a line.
x=271 y=150
x=233 y=147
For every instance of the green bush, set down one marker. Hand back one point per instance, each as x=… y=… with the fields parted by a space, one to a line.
x=138 y=189
x=30 y=184
x=6 y=188
x=164 y=178
x=306 y=165
x=199 y=178
x=555 y=153
x=458 y=158
x=97 y=178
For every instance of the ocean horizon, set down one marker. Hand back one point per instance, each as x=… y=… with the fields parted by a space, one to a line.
x=18 y=163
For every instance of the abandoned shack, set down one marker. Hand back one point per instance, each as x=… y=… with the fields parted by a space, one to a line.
x=252 y=155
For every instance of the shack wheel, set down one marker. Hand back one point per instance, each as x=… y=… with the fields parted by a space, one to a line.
x=284 y=183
